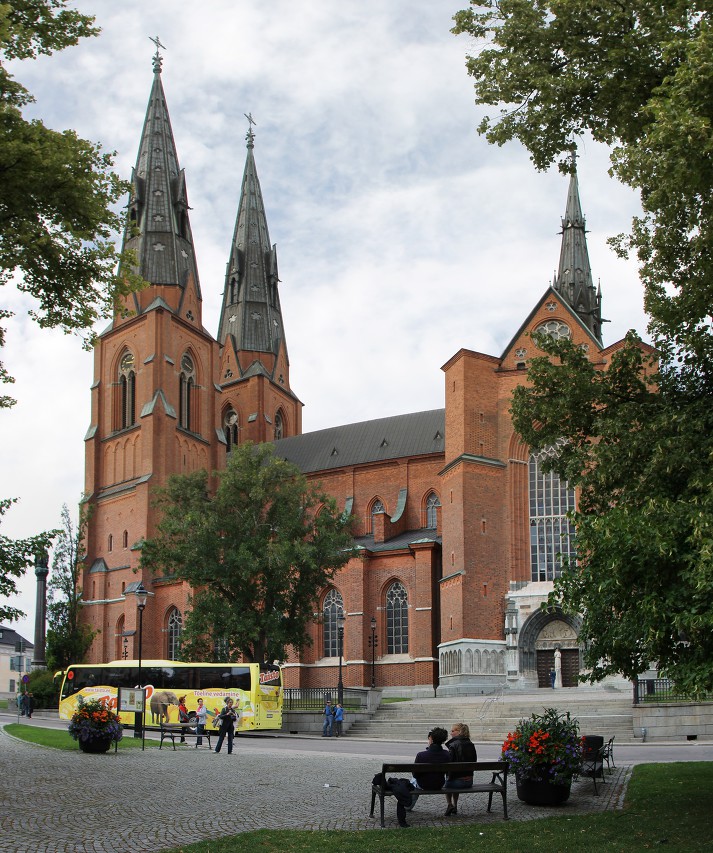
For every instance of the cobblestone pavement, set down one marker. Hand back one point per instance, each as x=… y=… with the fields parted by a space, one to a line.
x=56 y=801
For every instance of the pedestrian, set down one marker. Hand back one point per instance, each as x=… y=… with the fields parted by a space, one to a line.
x=227 y=719
x=328 y=714
x=461 y=748
x=202 y=714
x=183 y=717
x=30 y=704
x=338 y=719
x=428 y=780
x=22 y=703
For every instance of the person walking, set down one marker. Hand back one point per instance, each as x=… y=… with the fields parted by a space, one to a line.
x=227 y=719
x=328 y=714
x=461 y=748
x=338 y=720
x=30 y=704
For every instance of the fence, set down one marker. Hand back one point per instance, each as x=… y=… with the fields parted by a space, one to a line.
x=313 y=698
x=662 y=690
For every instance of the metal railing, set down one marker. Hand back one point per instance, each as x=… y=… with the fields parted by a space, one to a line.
x=313 y=698
x=649 y=690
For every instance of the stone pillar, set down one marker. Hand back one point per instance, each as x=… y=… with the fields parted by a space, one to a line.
x=41 y=572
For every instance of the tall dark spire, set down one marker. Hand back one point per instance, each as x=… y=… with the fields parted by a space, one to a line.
x=251 y=314
x=574 y=276
x=158 y=230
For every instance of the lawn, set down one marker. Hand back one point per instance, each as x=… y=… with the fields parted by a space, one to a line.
x=60 y=739
x=667 y=806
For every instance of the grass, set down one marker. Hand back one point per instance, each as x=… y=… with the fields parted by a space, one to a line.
x=668 y=805
x=59 y=739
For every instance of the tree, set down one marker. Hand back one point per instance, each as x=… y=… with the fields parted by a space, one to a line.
x=67 y=639
x=15 y=556
x=57 y=216
x=637 y=75
x=638 y=445
x=257 y=553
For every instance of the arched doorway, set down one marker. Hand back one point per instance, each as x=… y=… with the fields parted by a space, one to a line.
x=540 y=636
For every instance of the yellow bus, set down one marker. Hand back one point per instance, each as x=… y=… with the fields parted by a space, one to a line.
x=256 y=689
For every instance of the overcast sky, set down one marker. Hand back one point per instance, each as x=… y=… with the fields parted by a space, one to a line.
x=402 y=236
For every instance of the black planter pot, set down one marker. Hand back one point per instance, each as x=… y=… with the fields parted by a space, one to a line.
x=95 y=745
x=542 y=793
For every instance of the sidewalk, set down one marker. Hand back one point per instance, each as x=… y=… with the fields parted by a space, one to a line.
x=149 y=801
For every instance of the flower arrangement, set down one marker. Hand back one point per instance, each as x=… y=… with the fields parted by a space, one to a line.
x=545 y=748
x=93 y=721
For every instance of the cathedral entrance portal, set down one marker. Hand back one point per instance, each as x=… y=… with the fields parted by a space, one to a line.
x=557 y=634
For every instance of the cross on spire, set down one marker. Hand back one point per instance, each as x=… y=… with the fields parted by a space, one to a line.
x=157 y=58
x=250 y=136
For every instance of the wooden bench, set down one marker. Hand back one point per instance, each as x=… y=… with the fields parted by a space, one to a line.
x=497 y=784
x=182 y=731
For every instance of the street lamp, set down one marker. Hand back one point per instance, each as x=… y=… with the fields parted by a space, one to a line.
x=373 y=640
x=141 y=597
x=340 y=637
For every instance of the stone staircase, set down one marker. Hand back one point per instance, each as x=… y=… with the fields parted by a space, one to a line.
x=491 y=718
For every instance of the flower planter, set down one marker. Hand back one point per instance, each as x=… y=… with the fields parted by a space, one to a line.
x=537 y=793
x=95 y=745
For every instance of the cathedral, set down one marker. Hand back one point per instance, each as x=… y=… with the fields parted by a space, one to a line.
x=459 y=533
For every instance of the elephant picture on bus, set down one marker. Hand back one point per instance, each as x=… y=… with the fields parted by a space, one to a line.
x=159 y=703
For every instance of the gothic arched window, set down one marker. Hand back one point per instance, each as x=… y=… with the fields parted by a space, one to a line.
x=396 y=619
x=376 y=508
x=174 y=626
x=432 y=504
x=332 y=609
x=127 y=384
x=551 y=532
x=230 y=429
x=279 y=426
x=187 y=381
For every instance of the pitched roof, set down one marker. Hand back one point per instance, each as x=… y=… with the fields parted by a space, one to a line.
x=416 y=434
x=8 y=637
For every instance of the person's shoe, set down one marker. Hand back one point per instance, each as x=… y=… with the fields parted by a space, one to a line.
x=404 y=825
x=451 y=810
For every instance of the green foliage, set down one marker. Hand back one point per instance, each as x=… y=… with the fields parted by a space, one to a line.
x=43 y=688
x=257 y=553
x=15 y=556
x=638 y=445
x=68 y=640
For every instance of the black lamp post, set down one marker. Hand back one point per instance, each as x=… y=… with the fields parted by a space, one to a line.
x=340 y=637
x=141 y=598
x=373 y=640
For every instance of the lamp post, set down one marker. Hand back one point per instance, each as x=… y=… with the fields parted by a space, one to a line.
x=141 y=598
x=340 y=637
x=373 y=640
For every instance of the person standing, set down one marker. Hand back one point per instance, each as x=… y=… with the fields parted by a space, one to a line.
x=227 y=719
x=182 y=716
x=201 y=719
x=30 y=704
x=338 y=719
x=461 y=748
x=328 y=719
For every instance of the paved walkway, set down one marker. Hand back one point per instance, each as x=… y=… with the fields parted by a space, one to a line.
x=56 y=801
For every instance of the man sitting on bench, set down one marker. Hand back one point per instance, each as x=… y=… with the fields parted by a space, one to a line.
x=434 y=754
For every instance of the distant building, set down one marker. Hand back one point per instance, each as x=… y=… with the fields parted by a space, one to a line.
x=459 y=531
x=10 y=657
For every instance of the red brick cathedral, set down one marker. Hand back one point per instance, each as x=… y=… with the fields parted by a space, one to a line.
x=458 y=530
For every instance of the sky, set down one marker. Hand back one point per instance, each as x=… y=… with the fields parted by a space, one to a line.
x=402 y=236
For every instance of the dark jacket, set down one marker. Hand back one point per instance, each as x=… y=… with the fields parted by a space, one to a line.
x=227 y=719
x=461 y=749
x=435 y=754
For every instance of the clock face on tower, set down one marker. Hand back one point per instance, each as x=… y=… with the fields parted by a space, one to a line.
x=554 y=329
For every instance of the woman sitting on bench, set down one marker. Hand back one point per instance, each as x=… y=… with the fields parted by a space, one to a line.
x=461 y=748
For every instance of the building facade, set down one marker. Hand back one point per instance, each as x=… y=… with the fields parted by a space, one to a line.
x=459 y=532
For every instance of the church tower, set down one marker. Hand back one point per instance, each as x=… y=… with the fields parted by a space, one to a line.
x=258 y=404
x=154 y=402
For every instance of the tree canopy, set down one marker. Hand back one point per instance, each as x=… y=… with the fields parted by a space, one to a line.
x=634 y=434
x=257 y=554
